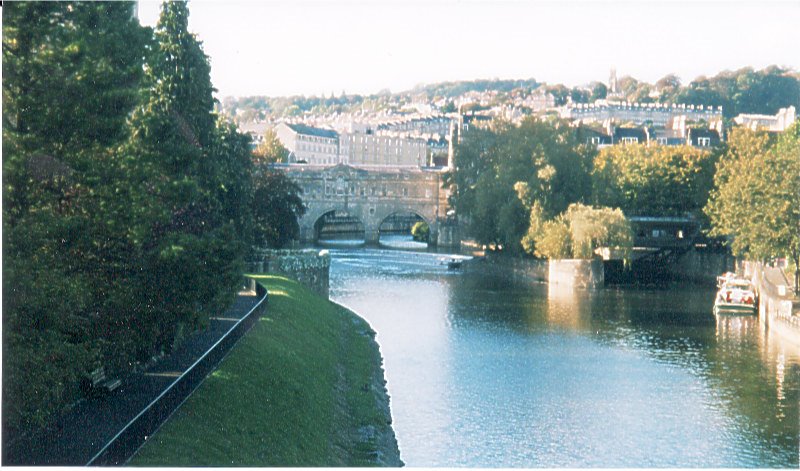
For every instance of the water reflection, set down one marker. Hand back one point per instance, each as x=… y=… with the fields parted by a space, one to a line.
x=486 y=373
x=568 y=307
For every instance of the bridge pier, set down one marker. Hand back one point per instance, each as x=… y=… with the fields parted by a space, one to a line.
x=372 y=235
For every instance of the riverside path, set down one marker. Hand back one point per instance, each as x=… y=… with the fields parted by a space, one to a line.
x=75 y=438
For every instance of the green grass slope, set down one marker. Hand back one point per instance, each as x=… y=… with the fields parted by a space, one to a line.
x=304 y=387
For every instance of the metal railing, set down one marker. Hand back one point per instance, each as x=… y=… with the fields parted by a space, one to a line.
x=131 y=438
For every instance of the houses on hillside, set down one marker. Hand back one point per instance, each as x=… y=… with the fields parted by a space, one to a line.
x=362 y=146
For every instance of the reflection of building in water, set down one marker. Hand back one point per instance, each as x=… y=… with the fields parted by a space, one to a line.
x=780 y=356
x=568 y=307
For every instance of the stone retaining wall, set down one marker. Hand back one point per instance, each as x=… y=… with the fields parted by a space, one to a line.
x=576 y=273
x=522 y=270
x=309 y=267
x=776 y=307
x=702 y=267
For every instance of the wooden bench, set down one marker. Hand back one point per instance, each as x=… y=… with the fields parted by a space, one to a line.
x=97 y=384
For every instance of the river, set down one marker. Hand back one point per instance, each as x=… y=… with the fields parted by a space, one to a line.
x=483 y=373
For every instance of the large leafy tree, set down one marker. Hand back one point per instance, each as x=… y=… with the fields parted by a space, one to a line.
x=755 y=200
x=579 y=231
x=277 y=205
x=502 y=171
x=270 y=150
x=72 y=73
x=744 y=91
x=121 y=223
x=653 y=180
x=197 y=175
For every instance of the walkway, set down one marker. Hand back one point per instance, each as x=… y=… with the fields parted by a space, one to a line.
x=81 y=433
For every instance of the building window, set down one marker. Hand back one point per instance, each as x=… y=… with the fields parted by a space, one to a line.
x=630 y=140
x=704 y=141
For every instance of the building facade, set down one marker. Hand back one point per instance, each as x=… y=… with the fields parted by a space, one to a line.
x=772 y=123
x=382 y=150
x=656 y=114
x=308 y=144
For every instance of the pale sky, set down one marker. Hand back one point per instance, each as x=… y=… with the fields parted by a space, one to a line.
x=309 y=48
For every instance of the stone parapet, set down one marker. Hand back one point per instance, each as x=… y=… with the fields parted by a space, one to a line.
x=309 y=267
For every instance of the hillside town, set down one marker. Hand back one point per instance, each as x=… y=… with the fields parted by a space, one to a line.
x=470 y=273
x=420 y=133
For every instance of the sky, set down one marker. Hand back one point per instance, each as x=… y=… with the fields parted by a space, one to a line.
x=302 y=47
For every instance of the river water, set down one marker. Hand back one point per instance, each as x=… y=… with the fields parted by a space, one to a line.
x=484 y=373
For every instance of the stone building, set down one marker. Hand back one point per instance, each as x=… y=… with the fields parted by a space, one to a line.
x=382 y=150
x=773 y=123
x=655 y=114
x=308 y=144
x=419 y=125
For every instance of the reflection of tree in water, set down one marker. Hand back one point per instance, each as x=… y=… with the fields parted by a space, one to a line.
x=478 y=297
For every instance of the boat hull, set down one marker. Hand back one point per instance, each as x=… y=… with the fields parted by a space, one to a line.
x=734 y=309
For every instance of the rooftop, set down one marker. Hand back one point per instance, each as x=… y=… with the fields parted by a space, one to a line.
x=311 y=131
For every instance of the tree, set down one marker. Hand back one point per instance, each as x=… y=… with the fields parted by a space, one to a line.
x=421 y=232
x=198 y=183
x=277 y=205
x=754 y=202
x=72 y=76
x=492 y=163
x=270 y=150
x=599 y=91
x=554 y=240
x=579 y=231
x=653 y=180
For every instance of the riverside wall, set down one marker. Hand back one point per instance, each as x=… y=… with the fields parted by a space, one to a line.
x=309 y=267
x=694 y=266
x=576 y=273
x=518 y=269
x=778 y=308
x=701 y=267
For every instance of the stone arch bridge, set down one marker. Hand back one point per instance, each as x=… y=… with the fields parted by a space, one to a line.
x=372 y=195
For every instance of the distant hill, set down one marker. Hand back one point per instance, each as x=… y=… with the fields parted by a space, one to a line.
x=741 y=91
x=455 y=89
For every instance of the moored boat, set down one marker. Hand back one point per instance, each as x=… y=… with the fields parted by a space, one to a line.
x=736 y=296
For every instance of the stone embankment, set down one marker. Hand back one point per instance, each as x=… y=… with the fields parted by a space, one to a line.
x=577 y=273
x=309 y=267
x=778 y=307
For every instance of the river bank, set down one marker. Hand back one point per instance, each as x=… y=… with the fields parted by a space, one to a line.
x=304 y=388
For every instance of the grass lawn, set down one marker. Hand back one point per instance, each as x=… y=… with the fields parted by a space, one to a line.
x=303 y=388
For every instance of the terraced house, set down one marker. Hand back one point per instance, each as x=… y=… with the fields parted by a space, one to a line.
x=308 y=144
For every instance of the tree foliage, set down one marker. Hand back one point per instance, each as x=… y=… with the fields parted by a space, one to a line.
x=421 y=232
x=755 y=199
x=744 y=91
x=579 y=231
x=72 y=76
x=543 y=160
x=277 y=206
x=653 y=180
x=128 y=202
x=270 y=150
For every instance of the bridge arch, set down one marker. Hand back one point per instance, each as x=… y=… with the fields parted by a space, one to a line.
x=400 y=219
x=334 y=223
